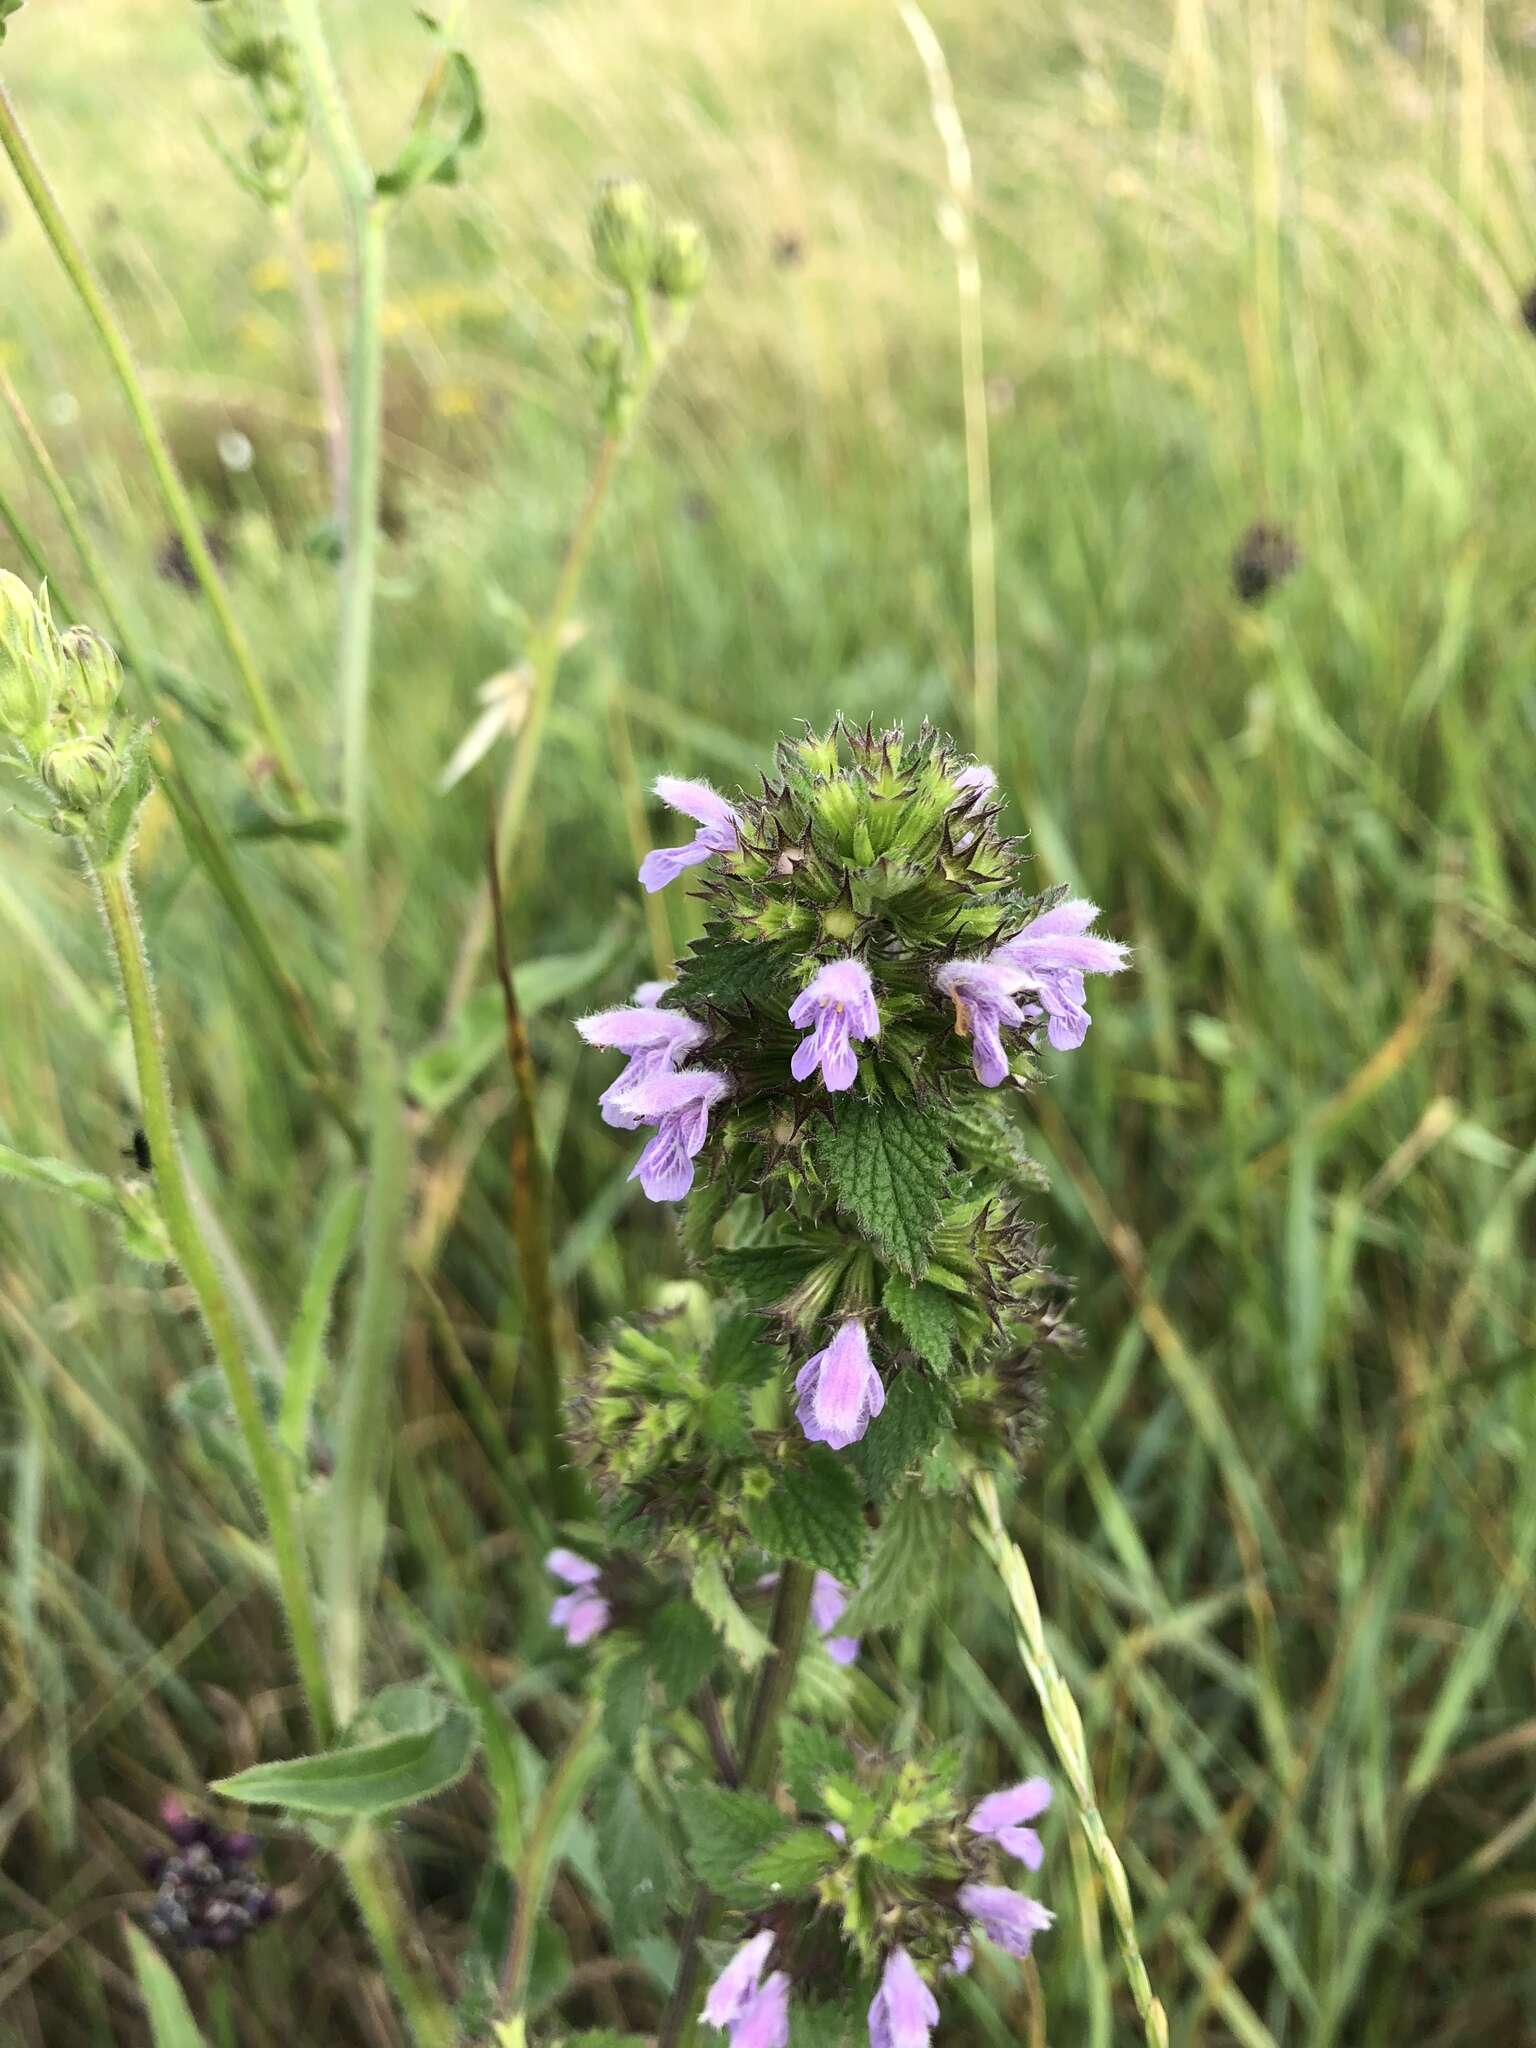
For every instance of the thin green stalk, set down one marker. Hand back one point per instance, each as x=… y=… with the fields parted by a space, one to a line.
x=63 y=500
x=365 y=1858
x=759 y=1754
x=632 y=796
x=1064 y=1726
x=173 y=491
x=21 y=533
x=202 y=1273
x=561 y=1791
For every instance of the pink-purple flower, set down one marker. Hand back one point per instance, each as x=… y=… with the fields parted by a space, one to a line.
x=657 y=1041
x=583 y=1612
x=719 y=831
x=678 y=1105
x=982 y=993
x=904 y=2012
x=839 y=1391
x=1008 y=1918
x=977 y=780
x=1051 y=955
x=836 y=1007
x=827 y=1603
x=1002 y=1816
x=754 y=2010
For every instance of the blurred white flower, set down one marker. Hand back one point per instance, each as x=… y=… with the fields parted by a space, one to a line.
x=504 y=697
x=235 y=450
x=61 y=409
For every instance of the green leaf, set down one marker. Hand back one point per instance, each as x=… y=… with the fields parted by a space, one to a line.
x=372 y=1777
x=742 y=1355
x=725 y=1830
x=807 y=1755
x=923 y=1316
x=626 y=1685
x=743 y=1638
x=633 y=1855
x=443 y=1070
x=792 y=1865
x=915 y=1416
x=449 y=120
x=986 y=1137
x=904 y=1568
x=814 y=1514
x=824 y=2026
x=887 y=1163
x=764 y=1273
x=253 y=823
x=731 y=974
x=170 y=2017
x=683 y=1647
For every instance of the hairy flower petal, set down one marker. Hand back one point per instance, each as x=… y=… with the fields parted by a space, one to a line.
x=904 y=2012
x=1006 y=1917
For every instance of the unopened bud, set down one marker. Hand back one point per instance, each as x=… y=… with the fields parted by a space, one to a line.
x=624 y=232
x=93 y=673
x=682 y=260
x=31 y=671
x=84 y=772
x=602 y=349
x=278 y=156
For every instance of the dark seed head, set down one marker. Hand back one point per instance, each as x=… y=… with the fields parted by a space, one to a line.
x=1264 y=556
x=1528 y=309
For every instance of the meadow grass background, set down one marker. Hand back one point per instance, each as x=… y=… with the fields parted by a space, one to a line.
x=1240 y=261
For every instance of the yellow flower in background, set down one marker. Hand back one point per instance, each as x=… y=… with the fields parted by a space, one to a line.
x=326 y=258
x=455 y=401
x=271 y=275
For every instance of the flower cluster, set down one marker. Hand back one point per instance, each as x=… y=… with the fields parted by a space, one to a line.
x=910 y=1919
x=205 y=1895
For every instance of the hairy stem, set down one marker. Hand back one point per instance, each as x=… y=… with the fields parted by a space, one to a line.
x=365 y=1857
x=1064 y=1726
x=173 y=491
x=202 y=1274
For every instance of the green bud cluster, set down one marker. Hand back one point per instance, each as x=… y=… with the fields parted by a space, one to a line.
x=647 y=260
x=249 y=43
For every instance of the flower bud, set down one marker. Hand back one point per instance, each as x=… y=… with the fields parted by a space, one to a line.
x=83 y=772
x=93 y=674
x=277 y=156
x=682 y=261
x=602 y=350
x=624 y=233
x=31 y=673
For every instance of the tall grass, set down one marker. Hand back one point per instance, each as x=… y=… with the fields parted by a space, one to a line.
x=1239 y=262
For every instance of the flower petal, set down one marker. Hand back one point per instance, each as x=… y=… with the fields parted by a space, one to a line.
x=574 y=1570
x=698 y=801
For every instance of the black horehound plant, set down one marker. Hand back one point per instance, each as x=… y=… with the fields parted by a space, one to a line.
x=826 y=1086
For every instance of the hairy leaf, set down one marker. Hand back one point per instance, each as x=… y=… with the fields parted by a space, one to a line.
x=633 y=1854
x=923 y=1316
x=986 y=1136
x=793 y=1863
x=725 y=1830
x=731 y=974
x=887 y=1162
x=814 y=1514
x=808 y=1754
x=626 y=1683
x=905 y=1564
x=683 y=1647
x=743 y=1638
x=368 y=1779
x=915 y=1417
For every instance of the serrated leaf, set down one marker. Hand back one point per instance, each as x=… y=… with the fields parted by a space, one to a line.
x=743 y=1638
x=985 y=1136
x=170 y=2017
x=792 y=1864
x=923 y=1316
x=725 y=1830
x=368 y=1779
x=916 y=1415
x=814 y=1514
x=825 y=2026
x=449 y=120
x=886 y=1163
x=625 y=1684
x=904 y=1565
x=807 y=1755
x=763 y=1273
x=633 y=1854
x=683 y=1648
x=741 y=1355
x=731 y=974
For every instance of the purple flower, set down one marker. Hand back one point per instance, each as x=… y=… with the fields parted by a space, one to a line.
x=1006 y=1917
x=582 y=1613
x=836 y=1006
x=719 y=831
x=1052 y=954
x=755 y=2012
x=840 y=1391
x=977 y=780
x=905 y=2011
x=1002 y=1814
x=656 y=1040
x=982 y=993
x=679 y=1106
x=827 y=1603
x=961 y=1957
x=650 y=993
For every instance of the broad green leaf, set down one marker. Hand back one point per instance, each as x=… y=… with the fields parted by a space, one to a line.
x=443 y=1070
x=370 y=1778
x=625 y=1684
x=814 y=1514
x=712 y=1592
x=985 y=1136
x=633 y=1854
x=916 y=1415
x=725 y=1830
x=923 y=1316
x=763 y=1273
x=170 y=2017
x=887 y=1163
x=827 y=2026
x=731 y=974
x=683 y=1647
x=809 y=1754
x=904 y=1566
x=792 y=1864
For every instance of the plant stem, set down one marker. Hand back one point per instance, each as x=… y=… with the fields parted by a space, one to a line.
x=365 y=1857
x=561 y=1791
x=202 y=1273
x=759 y=1754
x=544 y=651
x=365 y=1401
x=322 y=348
x=1064 y=1725
x=173 y=491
